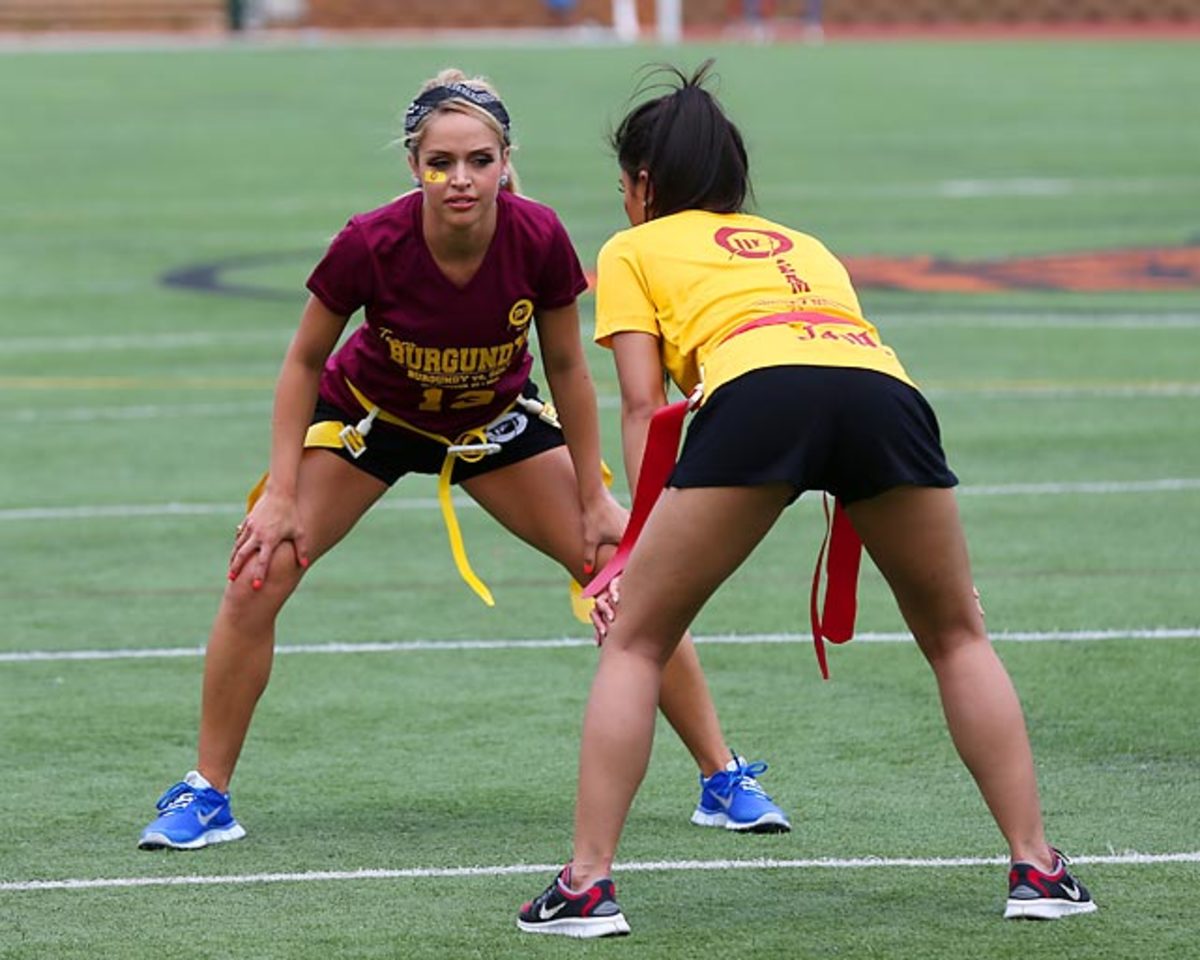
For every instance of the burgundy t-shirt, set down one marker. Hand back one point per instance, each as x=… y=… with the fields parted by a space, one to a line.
x=439 y=357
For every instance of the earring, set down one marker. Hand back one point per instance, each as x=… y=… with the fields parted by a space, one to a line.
x=503 y=180
x=416 y=180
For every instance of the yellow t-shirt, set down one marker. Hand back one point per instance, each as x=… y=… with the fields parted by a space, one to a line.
x=726 y=293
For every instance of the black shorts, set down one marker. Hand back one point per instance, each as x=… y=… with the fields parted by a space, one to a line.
x=393 y=451
x=855 y=433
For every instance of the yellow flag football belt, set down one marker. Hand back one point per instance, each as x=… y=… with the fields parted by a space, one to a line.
x=471 y=446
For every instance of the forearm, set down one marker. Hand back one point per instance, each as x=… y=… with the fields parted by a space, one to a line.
x=295 y=397
x=643 y=392
x=575 y=398
x=635 y=425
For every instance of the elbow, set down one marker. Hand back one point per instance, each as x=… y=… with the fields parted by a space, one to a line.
x=564 y=365
x=639 y=409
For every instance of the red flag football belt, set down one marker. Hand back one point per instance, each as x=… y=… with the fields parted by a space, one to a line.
x=840 y=553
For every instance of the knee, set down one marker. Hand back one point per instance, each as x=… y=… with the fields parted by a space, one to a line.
x=653 y=647
x=944 y=646
x=244 y=602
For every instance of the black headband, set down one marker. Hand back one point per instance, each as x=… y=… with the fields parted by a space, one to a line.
x=425 y=104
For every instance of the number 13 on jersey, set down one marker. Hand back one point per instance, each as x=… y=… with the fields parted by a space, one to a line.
x=434 y=399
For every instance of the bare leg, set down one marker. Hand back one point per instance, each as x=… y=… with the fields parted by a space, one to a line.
x=915 y=538
x=536 y=500
x=332 y=495
x=692 y=542
x=686 y=702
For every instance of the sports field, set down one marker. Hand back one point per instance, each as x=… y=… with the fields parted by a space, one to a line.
x=409 y=778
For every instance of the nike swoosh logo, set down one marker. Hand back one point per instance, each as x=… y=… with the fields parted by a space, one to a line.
x=725 y=803
x=545 y=914
x=206 y=820
x=1070 y=889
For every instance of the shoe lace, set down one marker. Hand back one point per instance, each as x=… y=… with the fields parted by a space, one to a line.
x=1063 y=859
x=744 y=778
x=543 y=897
x=177 y=797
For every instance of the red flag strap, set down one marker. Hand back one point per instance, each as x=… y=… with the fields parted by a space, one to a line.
x=658 y=460
x=835 y=622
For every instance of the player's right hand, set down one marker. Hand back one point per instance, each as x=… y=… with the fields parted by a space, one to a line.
x=274 y=520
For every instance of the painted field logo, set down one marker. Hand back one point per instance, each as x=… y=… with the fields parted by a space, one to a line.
x=752 y=244
x=1092 y=271
x=1154 y=268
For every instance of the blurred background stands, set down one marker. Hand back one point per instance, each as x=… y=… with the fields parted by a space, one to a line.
x=699 y=17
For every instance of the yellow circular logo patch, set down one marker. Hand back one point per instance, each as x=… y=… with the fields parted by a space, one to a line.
x=520 y=314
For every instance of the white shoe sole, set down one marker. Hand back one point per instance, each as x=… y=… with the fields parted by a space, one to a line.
x=767 y=823
x=1046 y=909
x=159 y=841
x=581 y=928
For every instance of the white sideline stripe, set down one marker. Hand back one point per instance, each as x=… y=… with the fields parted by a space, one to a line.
x=645 y=866
x=423 y=646
x=118 y=511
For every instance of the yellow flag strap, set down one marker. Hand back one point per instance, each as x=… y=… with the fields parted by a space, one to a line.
x=472 y=446
x=457 y=549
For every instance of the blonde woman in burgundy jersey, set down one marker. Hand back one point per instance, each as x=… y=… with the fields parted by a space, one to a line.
x=451 y=279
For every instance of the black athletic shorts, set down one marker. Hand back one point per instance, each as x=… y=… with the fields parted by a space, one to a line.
x=855 y=433
x=393 y=451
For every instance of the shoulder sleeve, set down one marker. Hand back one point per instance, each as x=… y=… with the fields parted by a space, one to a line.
x=623 y=301
x=344 y=280
x=562 y=279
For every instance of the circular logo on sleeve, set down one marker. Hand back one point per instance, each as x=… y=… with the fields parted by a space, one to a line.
x=520 y=314
x=752 y=244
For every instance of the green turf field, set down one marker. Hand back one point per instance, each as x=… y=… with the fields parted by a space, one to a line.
x=134 y=416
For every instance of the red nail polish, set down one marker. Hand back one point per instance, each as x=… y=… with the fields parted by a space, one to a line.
x=588 y=567
x=232 y=575
x=256 y=583
x=304 y=563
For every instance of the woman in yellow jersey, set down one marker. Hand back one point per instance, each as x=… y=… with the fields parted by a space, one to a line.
x=799 y=393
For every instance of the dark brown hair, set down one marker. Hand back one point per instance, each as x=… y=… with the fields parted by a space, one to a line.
x=692 y=153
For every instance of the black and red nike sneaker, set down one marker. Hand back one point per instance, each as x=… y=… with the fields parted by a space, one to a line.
x=558 y=909
x=1034 y=895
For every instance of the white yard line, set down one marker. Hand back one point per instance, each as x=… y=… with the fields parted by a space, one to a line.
x=645 y=866
x=125 y=511
x=448 y=646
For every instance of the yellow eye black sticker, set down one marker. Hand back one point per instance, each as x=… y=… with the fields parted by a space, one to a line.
x=435 y=176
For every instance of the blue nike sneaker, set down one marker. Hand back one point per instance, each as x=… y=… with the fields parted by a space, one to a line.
x=191 y=815
x=732 y=798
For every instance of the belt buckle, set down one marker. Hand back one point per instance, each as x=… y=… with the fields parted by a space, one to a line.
x=352 y=441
